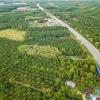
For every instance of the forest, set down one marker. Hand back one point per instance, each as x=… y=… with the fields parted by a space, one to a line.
x=35 y=60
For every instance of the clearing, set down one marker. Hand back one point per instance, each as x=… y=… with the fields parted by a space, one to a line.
x=44 y=51
x=12 y=34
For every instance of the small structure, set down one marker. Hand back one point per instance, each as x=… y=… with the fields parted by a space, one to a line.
x=88 y=91
x=70 y=84
x=90 y=95
x=94 y=97
x=24 y=9
x=53 y=22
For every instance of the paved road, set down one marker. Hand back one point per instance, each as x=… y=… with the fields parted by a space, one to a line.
x=87 y=44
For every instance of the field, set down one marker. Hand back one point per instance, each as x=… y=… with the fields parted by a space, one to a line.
x=83 y=16
x=35 y=60
x=12 y=34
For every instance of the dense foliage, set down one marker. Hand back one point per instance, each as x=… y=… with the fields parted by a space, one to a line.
x=13 y=21
x=33 y=76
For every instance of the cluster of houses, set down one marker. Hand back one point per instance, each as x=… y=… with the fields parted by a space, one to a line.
x=52 y=22
x=88 y=92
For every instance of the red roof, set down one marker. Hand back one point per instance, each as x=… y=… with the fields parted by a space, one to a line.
x=88 y=90
x=98 y=98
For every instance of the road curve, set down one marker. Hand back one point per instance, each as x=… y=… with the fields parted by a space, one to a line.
x=84 y=41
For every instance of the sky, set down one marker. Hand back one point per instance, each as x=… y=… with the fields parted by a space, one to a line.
x=44 y=0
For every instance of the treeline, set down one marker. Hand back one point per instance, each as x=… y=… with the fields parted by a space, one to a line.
x=16 y=21
x=9 y=7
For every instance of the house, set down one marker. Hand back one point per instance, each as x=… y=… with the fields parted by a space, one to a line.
x=90 y=96
x=52 y=22
x=88 y=91
x=70 y=84
x=23 y=9
x=94 y=97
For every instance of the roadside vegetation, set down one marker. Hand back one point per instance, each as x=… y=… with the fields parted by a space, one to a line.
x=83 y=16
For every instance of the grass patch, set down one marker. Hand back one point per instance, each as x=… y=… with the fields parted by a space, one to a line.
x=44 y=51
x=12 y=34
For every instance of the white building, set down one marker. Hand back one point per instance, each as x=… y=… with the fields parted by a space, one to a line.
x=70 y=84
x=94 y=97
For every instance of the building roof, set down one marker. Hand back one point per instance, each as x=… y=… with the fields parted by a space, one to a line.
x=69 y=83
x=94 y=97
x=98 y=98
x=88 y=90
